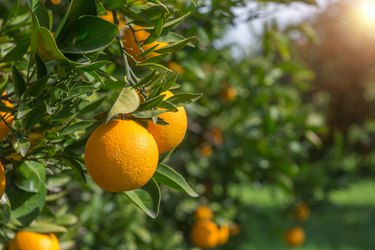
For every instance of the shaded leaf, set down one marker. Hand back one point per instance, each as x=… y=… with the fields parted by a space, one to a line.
x=16 y=53
x=27 y=177
x=25 y=205
x=41 y=70
x=19 y=82
x=151 y=103
x=88 y=34
x=77 y=8
x=92 y=66
x=147 y=199
x=37 y=87
x=184 y=98
x=4 y=210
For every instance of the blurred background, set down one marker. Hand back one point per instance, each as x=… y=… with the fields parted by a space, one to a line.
x=284 y=136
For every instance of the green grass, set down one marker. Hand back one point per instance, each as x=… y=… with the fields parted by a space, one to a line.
x=346 y=223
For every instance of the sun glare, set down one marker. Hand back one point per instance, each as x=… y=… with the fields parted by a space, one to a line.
x=366 y=12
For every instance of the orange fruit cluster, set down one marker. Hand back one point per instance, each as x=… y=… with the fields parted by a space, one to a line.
x=205 y=233
x=122 y=155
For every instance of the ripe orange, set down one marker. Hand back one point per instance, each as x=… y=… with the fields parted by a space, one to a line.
x=55 y=2
x=217 y=135
x=229 y=94
x=34 y=241
x=295 y=236
x=139 y=35
x=175 y=67
x=205 y=149
x=224 y=234
x=301 y=211
x=2 y=180
x=4 y=129
x=205 y=234
x=121 y=155
x=169 y=136
x=203 y=213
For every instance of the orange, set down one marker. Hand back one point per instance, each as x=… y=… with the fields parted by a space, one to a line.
x=139 y=35
x=34 y=241
x=169 y=136
x=217 y=135
x=224 y=234
x=109 y=18
x=205 y=234
x=2 y=180
x=206 y=149
x=4 y=129
x=121 y=155
x=203 y=213
x=295 y=236
x=301 y=211
x=175 y=67
x=229 y=93
x=55 y=2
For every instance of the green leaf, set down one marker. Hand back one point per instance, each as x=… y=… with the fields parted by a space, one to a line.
x=167 y=105
x=41 y=70
x=114 y=4
x=176 y=21
x=127 y=102
x=4 y=211
x=88 y=34
x=76 y=165
x=45 y=227
x=92 y=66
x=77 y=127
x=67 y=219
x=37 y=87
x=27 y=177
x=173 y=47
x=19 y=82
x=47 y=48
x=77 y=8
x=151 y=103
x=25 y=205
x=147 y=199
x=23 y=146
x=155 y=59
x=16 y=53
x=149 y=79
x=41 y=14
x=183 y=98
x=168 y=176
x=156 y=32
x=153 y=65
x=34 y=116
x=148 y=113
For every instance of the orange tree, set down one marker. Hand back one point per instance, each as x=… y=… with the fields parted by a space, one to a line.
x=71 y=78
